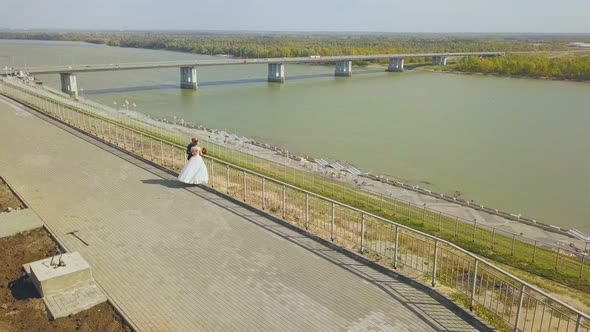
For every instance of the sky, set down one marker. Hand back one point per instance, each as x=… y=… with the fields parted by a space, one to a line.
x=544 y=16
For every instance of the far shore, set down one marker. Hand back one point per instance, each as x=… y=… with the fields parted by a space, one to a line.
x=434 y=70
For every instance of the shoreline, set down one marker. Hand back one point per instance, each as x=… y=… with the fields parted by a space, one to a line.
x=378 y=184
x=458 y=72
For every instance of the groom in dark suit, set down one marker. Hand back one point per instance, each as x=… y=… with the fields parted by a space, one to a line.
x=189 y=152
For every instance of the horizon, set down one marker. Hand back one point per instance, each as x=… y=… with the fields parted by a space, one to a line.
x=302 y=32
x=346 y=16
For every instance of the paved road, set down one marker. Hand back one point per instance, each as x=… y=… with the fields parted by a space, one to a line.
x=173 y=258
x=231 y=61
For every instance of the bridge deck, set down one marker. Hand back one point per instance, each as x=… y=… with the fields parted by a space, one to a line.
x=176 y=258
x=230 y=61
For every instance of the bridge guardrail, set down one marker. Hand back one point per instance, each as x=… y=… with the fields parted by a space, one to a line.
x=516 y=304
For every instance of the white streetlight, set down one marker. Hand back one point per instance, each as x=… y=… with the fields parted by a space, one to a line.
x=116 y=105
x=81 y=92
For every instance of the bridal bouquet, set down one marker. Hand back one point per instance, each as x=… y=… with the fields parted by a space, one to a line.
x=204 y=151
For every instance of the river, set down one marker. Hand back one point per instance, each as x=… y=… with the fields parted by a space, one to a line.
x=519 y=145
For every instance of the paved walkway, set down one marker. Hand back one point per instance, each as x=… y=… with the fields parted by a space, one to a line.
x=184 y=259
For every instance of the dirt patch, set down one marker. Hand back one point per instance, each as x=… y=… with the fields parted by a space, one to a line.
x=22 y=309
x=8 y=199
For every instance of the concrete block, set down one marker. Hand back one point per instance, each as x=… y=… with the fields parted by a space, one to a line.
x=50 y=280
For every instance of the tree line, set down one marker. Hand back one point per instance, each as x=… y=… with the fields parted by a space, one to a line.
x=260 y=45
x=570 y=67
x=267 y=45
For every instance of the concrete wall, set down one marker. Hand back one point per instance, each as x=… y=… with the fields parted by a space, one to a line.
x=396 y=64
x=69 y=84
x=343 y=68
x=188 y=78
x=276 y=72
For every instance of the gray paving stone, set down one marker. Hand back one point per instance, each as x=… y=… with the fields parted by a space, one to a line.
x=74 y=300
x=18 y=221
x=173 y=258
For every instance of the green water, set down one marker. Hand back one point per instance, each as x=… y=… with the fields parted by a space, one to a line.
x=515 y=144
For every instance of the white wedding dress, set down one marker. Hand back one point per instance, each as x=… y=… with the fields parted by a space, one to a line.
x=195 y=171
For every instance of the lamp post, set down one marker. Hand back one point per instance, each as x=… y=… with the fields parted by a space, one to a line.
x=116 y=105
x=81 y=92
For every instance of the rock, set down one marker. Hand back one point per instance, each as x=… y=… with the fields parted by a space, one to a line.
x=4 y=306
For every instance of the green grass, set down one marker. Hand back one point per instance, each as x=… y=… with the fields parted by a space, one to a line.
x=484 y=313
x=521 y=256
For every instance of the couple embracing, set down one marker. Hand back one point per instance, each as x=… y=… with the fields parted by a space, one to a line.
x=195 y=171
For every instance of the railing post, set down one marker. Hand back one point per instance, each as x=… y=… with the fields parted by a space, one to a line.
x=284 y=202
x=471 y=302
x=396 y=247
x=439 y=221
x=474 y=228
x=141 y=142
x=493 y=236
x=212 y=174
x=534 y=251
x=556 y=259
x=124 y=139
x=263 y=193
x=513 y=240
x=244 y=184
x=171 y=147
x=424 y=213
x=227 y=184
x=456 y=225
x=435 y=262
x=306 y=211
x=578 y=323
x=162 y=153
x=582 y=265
x=332 y=228
x=362 y=232
x=520 y=299
x=151 y=149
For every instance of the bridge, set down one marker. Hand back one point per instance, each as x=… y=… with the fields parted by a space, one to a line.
x=276 y=66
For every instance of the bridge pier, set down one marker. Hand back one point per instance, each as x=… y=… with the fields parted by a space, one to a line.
x=69 y=84
x=396 y=65
x=276 y=72
x=439 y=60
x=343 y=68
x=188 y=78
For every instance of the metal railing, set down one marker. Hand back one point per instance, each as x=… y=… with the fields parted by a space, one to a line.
x=516 y=304
x=538 y=257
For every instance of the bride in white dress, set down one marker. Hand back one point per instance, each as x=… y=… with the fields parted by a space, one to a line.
x=195 y=171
